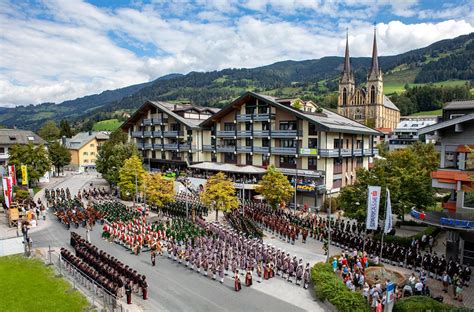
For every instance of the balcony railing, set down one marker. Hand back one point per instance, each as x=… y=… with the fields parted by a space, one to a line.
x=170 y=134
x=226 y=134
x=284 y=150
x=244 y=149
x=148 y=146
x=137 y=134
x=140 y=146
x=261 y=133
x=153 y=121
x=261 y=149
x=157 y=134
x=256 y=117
x=244 y=134
x=287 y=165
x=225 y=149
x=285 y=133
x=147 y=134
x=208 y=148
x=170 y=147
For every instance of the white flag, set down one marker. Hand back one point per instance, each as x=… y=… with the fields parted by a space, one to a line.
x=388 y=216
x=373 y=202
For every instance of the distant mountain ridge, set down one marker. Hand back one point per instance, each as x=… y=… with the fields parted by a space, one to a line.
x=312 y=79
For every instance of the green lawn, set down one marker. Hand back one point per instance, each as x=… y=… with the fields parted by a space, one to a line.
x=107 y=125
x=28 y=285
x=437 y=112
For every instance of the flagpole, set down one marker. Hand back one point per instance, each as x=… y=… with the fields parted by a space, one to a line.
x=383 y=230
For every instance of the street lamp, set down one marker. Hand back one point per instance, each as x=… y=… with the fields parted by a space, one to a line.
x=329 y=191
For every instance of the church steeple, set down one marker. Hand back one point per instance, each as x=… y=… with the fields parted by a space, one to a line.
x=374 y=69
x=347 y=62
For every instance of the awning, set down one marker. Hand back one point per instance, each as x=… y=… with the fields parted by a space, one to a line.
x=228 y=168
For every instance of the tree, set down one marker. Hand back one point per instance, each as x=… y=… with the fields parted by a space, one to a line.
x=405 y=172
x=34 y=157
x=275 y=187
x=112 y=155
x=49 y=131
x=59 y=155
x=131 y=177
x=159 y=191
x=219 y=194
x=65 y=129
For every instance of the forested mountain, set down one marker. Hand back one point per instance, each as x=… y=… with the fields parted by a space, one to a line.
x=311 y=79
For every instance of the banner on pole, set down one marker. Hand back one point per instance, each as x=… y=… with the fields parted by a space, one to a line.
x=12 y=173
x=373 y=202
x=24 y=175
x=388 y=215
x=7 y=190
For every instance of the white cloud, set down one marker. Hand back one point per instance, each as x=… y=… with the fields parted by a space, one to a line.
x=72 y=53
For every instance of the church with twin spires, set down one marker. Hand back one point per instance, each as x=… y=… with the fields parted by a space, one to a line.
x=367 y=105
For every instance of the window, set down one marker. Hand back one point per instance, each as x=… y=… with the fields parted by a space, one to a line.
x=265 y=160
x=287 y=161
x=85 y=153
x=263 y=109
x=92 y=153
x=2 y=150
x=175 y=127
x=313 y=163
x=248 y=126
x=228 y=142
x=91 y=145
x=248 y=142
x=229 y=126
x=372 y=95
x=338 y=143
x=230 y=158
x=249 y=109
x=344 y=96
x=450 y=160
x=359 y=144
x=265 y=142
x=248 y=159
x=468 y=200
x=265 y=125
x=312 y=129
x=31 y=138
x=288 y=125
x=287 y=143
x=337 y=166
x=86 y=161
x=312 y=143
x=359 y=162
x=12 y=138
x=175 y=155
x=336 y=183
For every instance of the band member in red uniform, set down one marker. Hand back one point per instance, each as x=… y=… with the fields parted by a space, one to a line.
x=265 y=272
x=237 y=284
x=248 y=278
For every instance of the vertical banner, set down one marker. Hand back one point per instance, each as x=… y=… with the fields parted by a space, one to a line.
x=12 y=173
x=388 y=215
x=24 y=175
x=7 y=190
x=373 y=202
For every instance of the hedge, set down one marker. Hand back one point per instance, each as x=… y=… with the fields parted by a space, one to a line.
x=328 y=286
x=406 y=241
x=422 y=303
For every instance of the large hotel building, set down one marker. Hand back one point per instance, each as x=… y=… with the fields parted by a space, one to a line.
x=317 y=149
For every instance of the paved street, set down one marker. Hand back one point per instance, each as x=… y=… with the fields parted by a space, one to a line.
x=175 y=288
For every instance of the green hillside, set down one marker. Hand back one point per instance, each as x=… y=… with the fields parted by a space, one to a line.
x=107 y=125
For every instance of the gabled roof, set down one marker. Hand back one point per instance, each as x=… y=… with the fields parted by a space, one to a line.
x=447 y=123
x=83 y=138
x=170 y=109
x=389 y=104
x=326 y=121
x=17 y=136
x=466 y=104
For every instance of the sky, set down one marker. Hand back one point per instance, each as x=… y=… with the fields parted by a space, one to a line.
x=56 y=50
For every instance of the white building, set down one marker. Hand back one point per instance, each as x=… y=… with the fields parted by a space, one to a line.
x=406 y=132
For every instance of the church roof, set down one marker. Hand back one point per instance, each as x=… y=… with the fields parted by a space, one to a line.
x=375 y=62
x=389 y=104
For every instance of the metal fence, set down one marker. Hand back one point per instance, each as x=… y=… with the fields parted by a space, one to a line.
x=100 y=298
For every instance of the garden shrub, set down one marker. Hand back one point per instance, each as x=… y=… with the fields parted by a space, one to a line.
x=328 y=286
x=419 y=303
